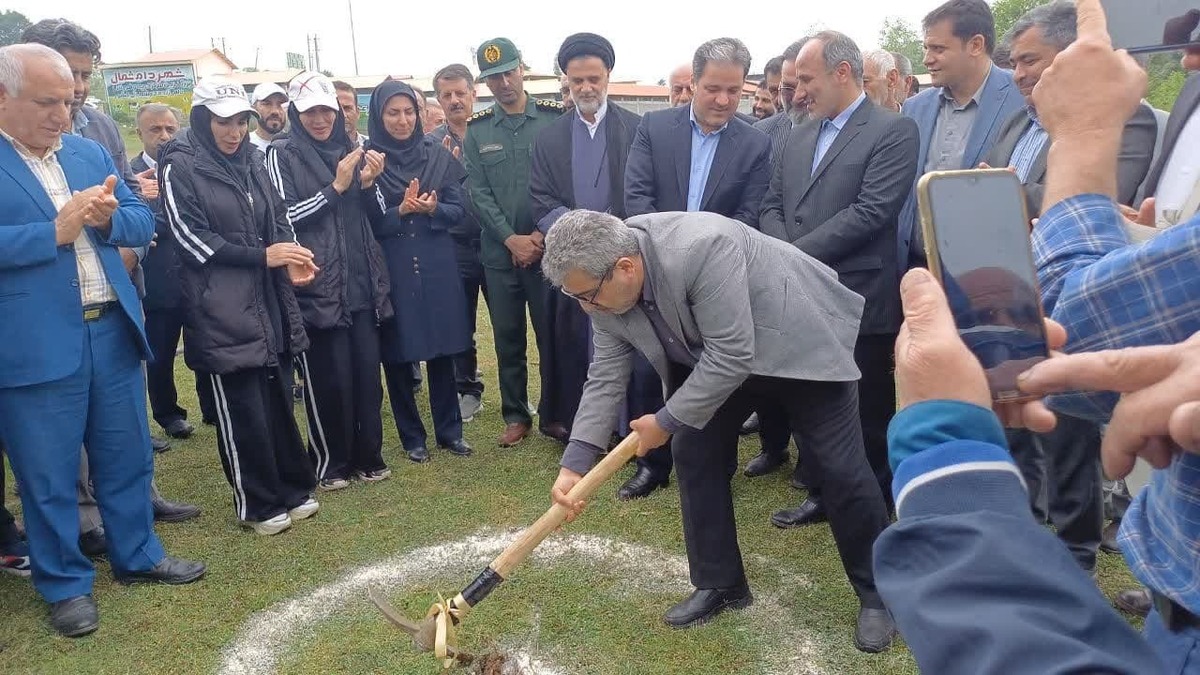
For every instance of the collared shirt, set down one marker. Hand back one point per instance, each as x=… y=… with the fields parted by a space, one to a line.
x=1029 y=147
x=676 y=350
x=1180 y=175
x=704 y=151
x=93 y=282
x=78 y=122
x=151 y=163
x=593 y=126
x=954 y=124
x=1109 y=295
x=830 y=128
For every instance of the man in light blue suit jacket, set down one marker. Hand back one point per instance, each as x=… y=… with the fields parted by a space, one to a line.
x=71 y=342
x=961 y=115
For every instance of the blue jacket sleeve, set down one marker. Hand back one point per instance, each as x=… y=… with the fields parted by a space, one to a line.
x=974 y=583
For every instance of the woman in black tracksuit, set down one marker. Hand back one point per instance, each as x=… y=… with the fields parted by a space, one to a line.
x=242 y=325
x=315 y=169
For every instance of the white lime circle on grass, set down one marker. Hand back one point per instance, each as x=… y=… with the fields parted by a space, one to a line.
x=267 y=635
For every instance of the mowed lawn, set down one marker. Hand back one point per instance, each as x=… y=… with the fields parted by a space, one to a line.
x=581 y=614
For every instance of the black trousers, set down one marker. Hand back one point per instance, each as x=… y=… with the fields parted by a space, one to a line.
x=824 y=416
x=773 y=429
x=875 y=356
x=163 y=330
x=261 y=450
x=8 y=524
x=644 y=397
x=343 y=396
x=466 y=365
x=443 y=402
x=1062 y=472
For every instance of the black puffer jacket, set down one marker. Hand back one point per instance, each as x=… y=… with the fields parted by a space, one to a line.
x=317 y=212
x=224 y=279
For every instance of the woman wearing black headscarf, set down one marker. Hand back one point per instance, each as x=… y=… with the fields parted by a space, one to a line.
x=418 y=197
x=242 y=325
x=315 y=167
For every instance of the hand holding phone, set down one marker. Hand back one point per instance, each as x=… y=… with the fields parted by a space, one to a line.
x=977 y=243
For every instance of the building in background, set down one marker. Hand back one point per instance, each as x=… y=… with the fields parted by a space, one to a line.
x=164 y=77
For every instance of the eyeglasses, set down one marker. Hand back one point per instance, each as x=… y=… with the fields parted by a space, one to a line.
x=590 y=296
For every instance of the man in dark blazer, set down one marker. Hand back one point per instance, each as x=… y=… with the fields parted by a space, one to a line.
x=1022 y=144
x=701 y=157
x=1173 y=156
x=836 y=195
x=579 y=162
x=960 y=116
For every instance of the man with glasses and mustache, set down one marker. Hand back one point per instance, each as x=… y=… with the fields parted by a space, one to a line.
x=579 y=162
x=498 y=152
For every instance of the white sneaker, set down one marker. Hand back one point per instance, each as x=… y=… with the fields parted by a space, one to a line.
x=306 y=510
x=270 y=527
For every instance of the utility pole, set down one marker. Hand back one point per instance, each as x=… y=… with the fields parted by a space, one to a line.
x=150 y=37
x=316 y=54
x=257 y=53
x=308 y=43
x=353 y=39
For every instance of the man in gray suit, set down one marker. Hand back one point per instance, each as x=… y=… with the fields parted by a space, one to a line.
x=728 y=317
x=836 y=195
x=1036 y=38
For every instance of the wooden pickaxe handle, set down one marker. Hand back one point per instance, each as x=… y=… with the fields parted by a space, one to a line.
x=555 y=516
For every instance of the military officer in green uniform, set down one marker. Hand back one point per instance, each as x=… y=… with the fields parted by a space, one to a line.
x=498 y=150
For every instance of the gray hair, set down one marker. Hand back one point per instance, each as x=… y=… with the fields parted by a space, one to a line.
x=882 y=60
x=838 y=47
x=1057 y=21
x=793 y=50
x=903 y=64
x=588 y=241
x=14 y=57
x=158 y=109
x=721 y=50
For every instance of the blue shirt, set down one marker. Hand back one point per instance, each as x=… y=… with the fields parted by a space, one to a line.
x=1109 y=294
x=1029 y=147
x=704 y=150
x=830 y=128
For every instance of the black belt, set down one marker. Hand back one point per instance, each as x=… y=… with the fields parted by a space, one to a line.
x=94 y=312
x=1174 y=617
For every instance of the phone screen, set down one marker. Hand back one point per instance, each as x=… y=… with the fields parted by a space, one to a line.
x=1153 y=25
x=983 y=248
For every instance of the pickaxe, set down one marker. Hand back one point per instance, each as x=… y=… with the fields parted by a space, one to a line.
x=436 y=632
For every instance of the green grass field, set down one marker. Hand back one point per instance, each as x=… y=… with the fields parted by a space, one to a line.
x=592 y=610
x=581 y=613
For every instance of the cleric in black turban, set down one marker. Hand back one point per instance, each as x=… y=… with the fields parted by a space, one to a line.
x=586 y=44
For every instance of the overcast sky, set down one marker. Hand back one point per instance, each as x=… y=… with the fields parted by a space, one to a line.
x=650 y=36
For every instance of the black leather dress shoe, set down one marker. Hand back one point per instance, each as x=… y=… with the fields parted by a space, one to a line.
x=641 y=485
x=1136 y=601
x=180 y=429
x=750 y=426
x=458 y=447
x=170 y=571
x=765 y=463
x=159 y=445
x=75 y=617
x=556 y=431
x=418 y=454
x=808 y=513
x=1108 y=539
x=797 y=482
x=875 y=630
x=174 y=512
x=94 y=544
x=704 y=604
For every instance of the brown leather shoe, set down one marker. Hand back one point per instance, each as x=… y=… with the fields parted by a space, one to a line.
x=513 y=434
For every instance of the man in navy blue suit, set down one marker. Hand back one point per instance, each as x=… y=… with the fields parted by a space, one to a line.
x=72 y=342
x=698 y=156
